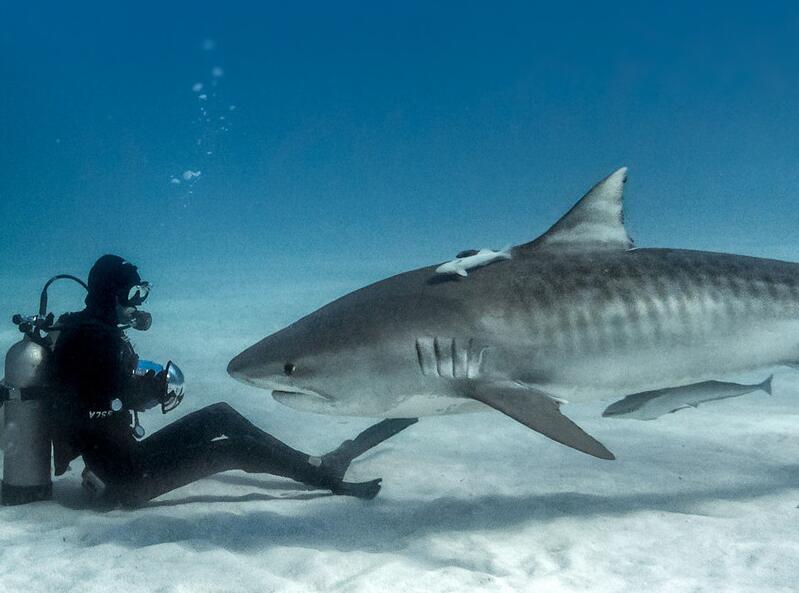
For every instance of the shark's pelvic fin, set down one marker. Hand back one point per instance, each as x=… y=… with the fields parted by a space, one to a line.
x=537 y=410
x=595 y=222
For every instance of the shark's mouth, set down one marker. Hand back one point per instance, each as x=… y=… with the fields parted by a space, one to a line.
x=279 y=394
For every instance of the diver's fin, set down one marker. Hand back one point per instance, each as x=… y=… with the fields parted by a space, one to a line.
x=595 y=222
x=537 y=410
x=338 y=460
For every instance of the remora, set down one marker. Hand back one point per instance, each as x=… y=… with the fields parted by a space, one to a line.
x=577 y=314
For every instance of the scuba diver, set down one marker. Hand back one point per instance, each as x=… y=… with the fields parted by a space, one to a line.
x=103 y=386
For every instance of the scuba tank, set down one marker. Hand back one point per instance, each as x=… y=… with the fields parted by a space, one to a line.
x=26 y=463
x=25 y=396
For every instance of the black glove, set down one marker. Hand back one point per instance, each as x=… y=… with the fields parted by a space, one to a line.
x=145 y=391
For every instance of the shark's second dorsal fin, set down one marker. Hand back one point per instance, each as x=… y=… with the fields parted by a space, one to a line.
x=595 y=222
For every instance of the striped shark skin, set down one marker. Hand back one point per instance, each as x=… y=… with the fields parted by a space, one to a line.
x=577 y=314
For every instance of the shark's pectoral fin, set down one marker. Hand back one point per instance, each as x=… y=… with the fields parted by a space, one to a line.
x=537 y=410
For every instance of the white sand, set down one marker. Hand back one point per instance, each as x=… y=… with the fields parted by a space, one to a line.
x=701 y=500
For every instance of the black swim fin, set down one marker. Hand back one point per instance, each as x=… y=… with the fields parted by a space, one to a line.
x=338 y=460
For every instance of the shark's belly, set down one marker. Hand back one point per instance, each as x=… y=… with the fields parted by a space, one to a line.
x=432 y=404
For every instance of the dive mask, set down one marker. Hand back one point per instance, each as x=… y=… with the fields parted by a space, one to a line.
x=136 y=295
x=127 y=311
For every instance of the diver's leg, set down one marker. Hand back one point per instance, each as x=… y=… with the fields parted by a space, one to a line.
x=161 y=469
x=338 y=460
x=211 y=422
x=221 y=419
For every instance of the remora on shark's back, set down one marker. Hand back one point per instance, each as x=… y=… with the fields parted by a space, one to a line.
x=470 y=260
x=576 y=314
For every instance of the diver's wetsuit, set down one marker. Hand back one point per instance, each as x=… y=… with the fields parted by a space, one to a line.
x=93 y=364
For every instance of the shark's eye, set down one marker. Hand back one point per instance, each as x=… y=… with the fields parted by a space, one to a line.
x=288 y=368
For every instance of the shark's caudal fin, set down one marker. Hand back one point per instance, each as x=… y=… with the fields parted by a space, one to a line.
x=537 y=410
x=766 y=385
x=595 y=222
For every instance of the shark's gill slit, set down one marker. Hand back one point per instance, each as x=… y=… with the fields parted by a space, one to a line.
x=460 y=358
x=475 y=360
x=443 y=352
x=425 y=355
x=437 y=352
x=449 y=358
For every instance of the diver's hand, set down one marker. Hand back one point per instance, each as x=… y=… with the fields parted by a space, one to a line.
x=146 y=391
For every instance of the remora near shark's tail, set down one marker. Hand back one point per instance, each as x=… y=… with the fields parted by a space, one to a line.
x=654 y=404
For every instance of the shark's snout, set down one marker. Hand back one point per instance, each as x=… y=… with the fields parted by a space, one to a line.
x=261 y=368
x=252 y=368
x=238 y=368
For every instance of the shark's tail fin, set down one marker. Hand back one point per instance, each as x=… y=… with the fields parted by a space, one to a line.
x=766 y=385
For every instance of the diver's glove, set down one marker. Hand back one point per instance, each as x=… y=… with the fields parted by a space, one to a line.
x=153 y=384
x=145 y=391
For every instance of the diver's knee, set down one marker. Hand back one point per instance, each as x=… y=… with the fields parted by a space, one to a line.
x=221 y=408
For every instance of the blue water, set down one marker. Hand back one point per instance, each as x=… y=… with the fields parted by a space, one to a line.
x=360 y=132
x=258 y=159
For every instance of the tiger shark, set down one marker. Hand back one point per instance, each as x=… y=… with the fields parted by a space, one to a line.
x=577 y=314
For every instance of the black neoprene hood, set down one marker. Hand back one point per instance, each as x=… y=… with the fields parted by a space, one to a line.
x=110 y=276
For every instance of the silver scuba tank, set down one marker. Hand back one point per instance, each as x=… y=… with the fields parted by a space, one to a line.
x=25 y=398
x=27 y=450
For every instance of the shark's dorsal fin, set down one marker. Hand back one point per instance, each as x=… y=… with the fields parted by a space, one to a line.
x=595 y=222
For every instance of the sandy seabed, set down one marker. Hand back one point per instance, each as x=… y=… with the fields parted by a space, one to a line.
x=705 y=499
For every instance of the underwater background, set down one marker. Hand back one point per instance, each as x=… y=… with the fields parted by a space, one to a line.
x=257 y=160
